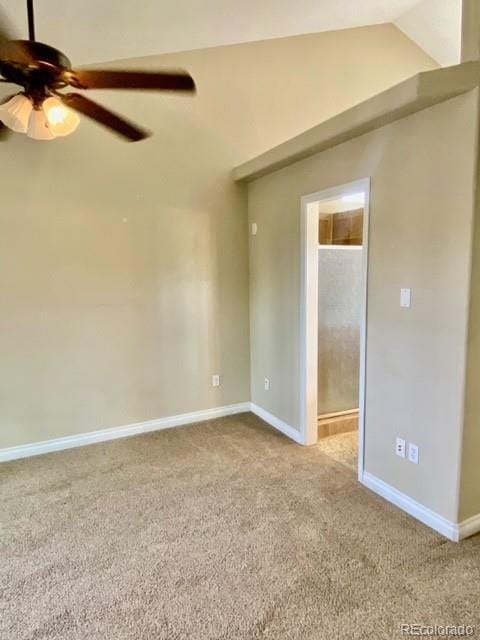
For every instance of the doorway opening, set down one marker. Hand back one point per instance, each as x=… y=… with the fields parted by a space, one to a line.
x=333 y=319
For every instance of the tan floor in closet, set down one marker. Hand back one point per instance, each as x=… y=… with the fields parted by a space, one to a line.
x=223 y=530
x=335 y=423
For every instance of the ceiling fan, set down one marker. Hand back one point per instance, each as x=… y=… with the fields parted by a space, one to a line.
x=43 y=112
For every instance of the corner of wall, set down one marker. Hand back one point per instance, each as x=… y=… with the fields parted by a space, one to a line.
x=469 y=481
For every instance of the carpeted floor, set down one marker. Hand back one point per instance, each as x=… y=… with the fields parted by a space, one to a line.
x=222 y=530
x=342 y=447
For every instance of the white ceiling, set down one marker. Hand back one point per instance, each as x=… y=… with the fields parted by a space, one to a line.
x=436 y=25
x=98 y=30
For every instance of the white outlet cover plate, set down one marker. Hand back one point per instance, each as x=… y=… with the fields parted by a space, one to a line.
x=406 y=298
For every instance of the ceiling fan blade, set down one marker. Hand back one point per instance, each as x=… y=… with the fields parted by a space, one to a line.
x=140 y=80
x=103 y=116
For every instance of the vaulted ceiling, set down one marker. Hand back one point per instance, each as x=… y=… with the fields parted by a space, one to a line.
x=96 y=30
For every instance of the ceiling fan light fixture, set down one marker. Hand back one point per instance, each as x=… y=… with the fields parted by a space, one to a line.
x=62 y=121
x=38 y=128
x=15 y=113
x=44 y=114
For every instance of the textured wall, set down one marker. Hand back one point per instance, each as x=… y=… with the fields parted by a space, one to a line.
x=124 y=268
x=339 y=311
x=423 y=177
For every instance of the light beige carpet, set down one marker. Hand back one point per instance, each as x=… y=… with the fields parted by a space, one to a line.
x=222 y=530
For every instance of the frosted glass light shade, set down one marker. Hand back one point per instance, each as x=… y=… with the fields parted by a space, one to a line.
x=38 y=127
x=15 y=113
x=61 y=120
x=44 y=122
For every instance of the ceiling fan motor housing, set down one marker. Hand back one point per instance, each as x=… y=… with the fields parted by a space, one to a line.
x=46 y=69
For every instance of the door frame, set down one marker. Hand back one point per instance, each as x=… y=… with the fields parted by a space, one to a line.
x=309 y=312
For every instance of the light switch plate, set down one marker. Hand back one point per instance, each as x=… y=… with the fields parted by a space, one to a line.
x=406 y=298
x=254 y=229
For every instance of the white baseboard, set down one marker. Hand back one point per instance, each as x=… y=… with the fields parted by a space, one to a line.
x=82 y=439
x=412 y=507
x=452 y=530
x=469 y=527
x=272 y=420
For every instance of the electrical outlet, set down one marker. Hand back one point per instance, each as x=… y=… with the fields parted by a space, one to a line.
x=413 y=453
x=266 y=384
x=400 y=447
x=215 y=380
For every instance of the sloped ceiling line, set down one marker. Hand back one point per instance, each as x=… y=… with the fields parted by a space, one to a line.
x=90 y=31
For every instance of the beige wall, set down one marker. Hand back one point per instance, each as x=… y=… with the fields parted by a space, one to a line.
x=470 y=30
x=124 y=268
x=422 y=170
x=470 y=485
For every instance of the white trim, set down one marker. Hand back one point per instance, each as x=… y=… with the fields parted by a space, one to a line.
x=469 y=527
x=362 y=421
x=309 y=311
x=337 y=414
x=280 y=425
x=451 y=530
x=342 y=247
x=309 y=319
x=82 y=439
